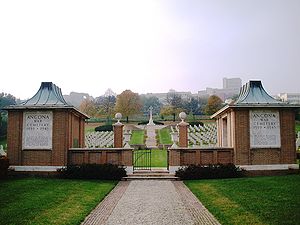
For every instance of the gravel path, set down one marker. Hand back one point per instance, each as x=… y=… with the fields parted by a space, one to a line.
x=150 y=202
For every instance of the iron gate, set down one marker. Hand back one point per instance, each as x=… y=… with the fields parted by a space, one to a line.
x=142 y=159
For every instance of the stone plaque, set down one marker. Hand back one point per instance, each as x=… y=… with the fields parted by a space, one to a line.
x=264 y=129
x=37 y=130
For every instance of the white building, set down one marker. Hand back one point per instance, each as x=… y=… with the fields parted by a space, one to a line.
x=231 y=87
x=290 y=97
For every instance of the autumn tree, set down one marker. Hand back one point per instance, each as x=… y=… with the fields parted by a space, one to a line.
x=128 y=103
x=170 y=110
x=88 y=107
x=214 y=103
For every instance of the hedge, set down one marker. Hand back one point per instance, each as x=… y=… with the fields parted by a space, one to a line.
x=4 y=164
x=146 y=122
x=93 y=171
x=214 y=171
x=104 y=128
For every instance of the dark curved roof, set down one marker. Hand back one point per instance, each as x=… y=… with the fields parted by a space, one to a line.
x=254 y=93
x=48 y=95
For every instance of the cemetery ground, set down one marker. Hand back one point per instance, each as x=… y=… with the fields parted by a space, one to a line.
x=164 y=136
x=137 y=138
x=259 y=200
x=49 y=201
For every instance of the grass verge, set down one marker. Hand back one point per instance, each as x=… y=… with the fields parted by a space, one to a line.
x=158 y=158
x=137 y=137
x=260 y=200
x=164 y=136
x=49 y=201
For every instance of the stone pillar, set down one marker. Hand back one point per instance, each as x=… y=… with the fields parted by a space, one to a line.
x=183 y=131
x=118 y=132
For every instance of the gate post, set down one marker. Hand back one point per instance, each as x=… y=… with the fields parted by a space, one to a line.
x=118 y=132
x=183 y=131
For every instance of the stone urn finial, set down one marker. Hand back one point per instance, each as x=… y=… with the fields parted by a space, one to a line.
x=182 y=116
x=118 y=116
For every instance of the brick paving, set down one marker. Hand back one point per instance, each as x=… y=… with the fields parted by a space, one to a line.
x=103 y=210
x=198 y=211
x=150 y=202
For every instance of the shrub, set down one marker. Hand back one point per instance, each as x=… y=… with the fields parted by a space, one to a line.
x=104 y=128
x=194 y=172
x=195 y=123
x=146 y=122
x=93 y=171
x=4 y=164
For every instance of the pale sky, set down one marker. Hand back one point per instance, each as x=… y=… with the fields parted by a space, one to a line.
x=148 y=45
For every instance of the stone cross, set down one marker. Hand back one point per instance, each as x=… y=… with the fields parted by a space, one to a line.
x=150 y=119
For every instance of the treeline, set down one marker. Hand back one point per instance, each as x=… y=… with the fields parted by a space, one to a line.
x=5 y=100
x=129 y=103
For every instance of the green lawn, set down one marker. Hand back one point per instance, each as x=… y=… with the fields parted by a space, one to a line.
x=49 y=201
x=158 y=158
x=260 y=200
x=164 y=136
x=137 y=137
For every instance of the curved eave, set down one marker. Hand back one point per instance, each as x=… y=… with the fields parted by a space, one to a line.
x=46 y=107
x=262 y=105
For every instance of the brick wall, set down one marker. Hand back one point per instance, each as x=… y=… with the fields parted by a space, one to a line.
x=67 y=126
x=101 y=156
x=242 y=137
x=243 y=155
x=186 y=156
x=288 y=138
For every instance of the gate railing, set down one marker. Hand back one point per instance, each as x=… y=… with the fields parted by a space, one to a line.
x=142 y=159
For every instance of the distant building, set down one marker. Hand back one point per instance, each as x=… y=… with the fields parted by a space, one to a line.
x=232 y=83
x=162 y=97
x=231 y=87
x=293 y=98
x=75 y=98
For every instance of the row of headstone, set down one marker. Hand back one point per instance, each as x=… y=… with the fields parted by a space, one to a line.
x=104 y=139
x=198 y=136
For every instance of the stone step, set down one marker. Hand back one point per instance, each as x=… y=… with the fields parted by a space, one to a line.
x=132 y=177
x=162 y=174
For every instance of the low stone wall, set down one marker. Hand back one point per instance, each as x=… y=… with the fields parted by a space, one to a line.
x=198 y=156
x=117 y=156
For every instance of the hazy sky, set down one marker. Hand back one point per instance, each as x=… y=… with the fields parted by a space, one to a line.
x=148 y=46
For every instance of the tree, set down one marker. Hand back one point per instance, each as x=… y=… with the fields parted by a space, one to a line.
x=128 y=103
x=174 y=99
x=170 y=110
x=192 y=106
x=214 y=103
x=106 y=105
x=88 y=107
x=5 y=100
x=151 y=101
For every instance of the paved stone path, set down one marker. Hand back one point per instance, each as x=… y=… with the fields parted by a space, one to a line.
x=150 y=202
x=151 y=137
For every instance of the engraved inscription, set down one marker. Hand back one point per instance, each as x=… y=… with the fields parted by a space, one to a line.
x=37 y=130
x=264 y=129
